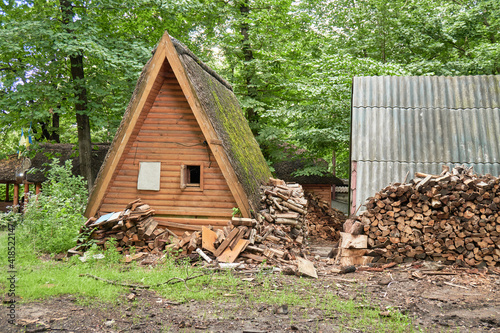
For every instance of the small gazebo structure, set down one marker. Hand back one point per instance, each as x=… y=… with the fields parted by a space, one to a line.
x=30 y=172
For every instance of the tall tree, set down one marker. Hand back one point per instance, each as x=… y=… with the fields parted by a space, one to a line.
x=66 y=62
x=81 y=99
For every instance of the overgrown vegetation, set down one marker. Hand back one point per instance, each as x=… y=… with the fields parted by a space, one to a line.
x=52 y=219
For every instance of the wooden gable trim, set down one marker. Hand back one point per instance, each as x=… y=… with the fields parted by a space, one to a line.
x=121 y=139
x=207 y=128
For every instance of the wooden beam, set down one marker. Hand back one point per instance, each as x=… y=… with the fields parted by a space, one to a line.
x=26 y=190
x=180 y=225
x=125 y=131
x=16 y=195
x=38 y=188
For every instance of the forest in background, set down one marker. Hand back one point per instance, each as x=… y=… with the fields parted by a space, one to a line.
x=68 y=68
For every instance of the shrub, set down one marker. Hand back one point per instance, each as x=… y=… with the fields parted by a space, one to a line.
x=52 y=219
x=8 y=218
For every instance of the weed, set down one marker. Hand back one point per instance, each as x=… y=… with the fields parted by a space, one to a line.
x=236 y=211
x=53 y=218
x=8 y=218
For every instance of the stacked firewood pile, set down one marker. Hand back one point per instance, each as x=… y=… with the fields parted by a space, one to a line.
x=277 y=233
x=285 y=207
x=134 y=226
x=452 y=217
x=324 y=222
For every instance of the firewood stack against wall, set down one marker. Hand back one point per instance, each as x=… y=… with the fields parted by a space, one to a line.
x=452 y=217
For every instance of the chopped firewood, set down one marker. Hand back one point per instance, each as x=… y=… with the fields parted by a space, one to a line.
x=226 y=242
x=350 y=241
x=242 y=221
x=230 y=255
x=278 y=230
x=270 y=252
x=129 y=206
x=253 y=256
x=355 y=260
x=241 y=232
x=276 y=182
x=151 y=228
x=273 y=239
x=208 y=238
x=220 y=237
x=453 y=217
x=305 y=267
x=255 y=248
x=353 y=252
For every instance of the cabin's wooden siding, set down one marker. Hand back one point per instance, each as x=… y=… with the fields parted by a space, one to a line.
x=168 y=132
x=324 y=191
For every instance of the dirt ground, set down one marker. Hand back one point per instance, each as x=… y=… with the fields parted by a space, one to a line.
x=437 y=298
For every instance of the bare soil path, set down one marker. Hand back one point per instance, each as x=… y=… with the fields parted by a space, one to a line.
x=437 y=298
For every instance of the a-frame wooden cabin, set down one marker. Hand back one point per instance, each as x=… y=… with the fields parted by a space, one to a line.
x=183 y=146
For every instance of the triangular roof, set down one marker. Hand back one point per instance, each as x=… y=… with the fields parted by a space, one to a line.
x=218 y=114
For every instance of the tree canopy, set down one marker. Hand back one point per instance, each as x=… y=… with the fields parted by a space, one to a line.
x=291 y=63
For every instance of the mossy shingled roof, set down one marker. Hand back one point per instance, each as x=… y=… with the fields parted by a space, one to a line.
x=227 y=118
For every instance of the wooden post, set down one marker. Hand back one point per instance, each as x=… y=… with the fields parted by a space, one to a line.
x=38 y=188
x=7 y=187
x=16 y=195
x=26 y=190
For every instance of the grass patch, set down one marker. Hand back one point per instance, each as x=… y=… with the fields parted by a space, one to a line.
x=38 y=279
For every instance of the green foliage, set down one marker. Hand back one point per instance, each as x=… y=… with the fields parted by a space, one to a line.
x=291 y=63
x=9 y=218
x=115 y=39
x=53 y=218
x=111 y=254
x=236 y=211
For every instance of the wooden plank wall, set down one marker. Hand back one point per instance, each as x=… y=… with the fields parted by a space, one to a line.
x=324 y=191
x=168 y=132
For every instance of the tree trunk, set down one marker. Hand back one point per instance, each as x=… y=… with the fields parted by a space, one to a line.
x=51 y=132
x=54 y=135
x=252 y=116
x=334 y=162
x=81 y=104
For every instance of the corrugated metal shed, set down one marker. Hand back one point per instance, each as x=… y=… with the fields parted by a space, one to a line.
x=409 y=124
